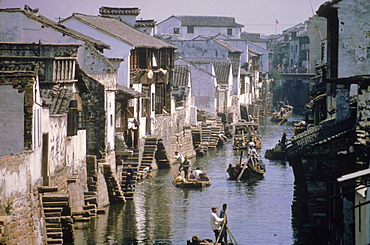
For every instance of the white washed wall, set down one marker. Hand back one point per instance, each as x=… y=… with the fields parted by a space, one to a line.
x=118 y=49
x=354 y=47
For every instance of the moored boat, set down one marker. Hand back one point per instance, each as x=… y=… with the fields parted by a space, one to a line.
x=246 y=170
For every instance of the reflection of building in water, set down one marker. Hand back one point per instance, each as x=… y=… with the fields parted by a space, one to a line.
x=155 y=213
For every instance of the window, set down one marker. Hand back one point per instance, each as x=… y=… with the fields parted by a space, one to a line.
x=81 y=120
x=229 y=32
x=72 y=122
x=190 y=29
x=75 y=119
x=176 y=30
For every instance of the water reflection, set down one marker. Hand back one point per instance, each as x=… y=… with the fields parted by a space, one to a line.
x=258 y=212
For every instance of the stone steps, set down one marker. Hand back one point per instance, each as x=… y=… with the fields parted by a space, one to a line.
x=114 y=190
x=56 y=212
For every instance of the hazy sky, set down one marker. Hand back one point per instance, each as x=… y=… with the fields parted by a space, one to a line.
x=257 y=16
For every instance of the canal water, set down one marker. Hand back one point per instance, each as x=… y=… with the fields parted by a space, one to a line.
x=258 y=212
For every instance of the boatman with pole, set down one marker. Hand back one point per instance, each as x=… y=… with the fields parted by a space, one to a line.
x=216 y=222
x=224 y=227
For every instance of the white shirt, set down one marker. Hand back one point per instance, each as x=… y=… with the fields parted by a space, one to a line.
x=180 y=158
x=197 y=172
x=253 y=151
x=216 y=221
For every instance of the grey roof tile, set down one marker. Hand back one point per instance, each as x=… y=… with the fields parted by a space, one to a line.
x=216 y=21
x=122 y=31
x=59 y=27
x=181 y=75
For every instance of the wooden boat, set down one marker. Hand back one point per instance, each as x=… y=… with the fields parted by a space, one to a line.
x=279 y=151
x=275 y=154
x=246 y=170
x=282 y=115
x=202 y=181
x=244 y=133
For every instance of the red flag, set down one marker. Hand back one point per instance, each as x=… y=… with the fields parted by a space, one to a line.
x=276 y=21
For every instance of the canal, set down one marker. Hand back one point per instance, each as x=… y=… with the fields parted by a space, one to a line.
x=258 y=212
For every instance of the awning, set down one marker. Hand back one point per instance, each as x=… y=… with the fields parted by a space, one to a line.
x=127 y=93
x=354 y=175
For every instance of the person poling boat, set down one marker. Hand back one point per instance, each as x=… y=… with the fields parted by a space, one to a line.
x=252 y=168
x=219 y=228
x=279 y=151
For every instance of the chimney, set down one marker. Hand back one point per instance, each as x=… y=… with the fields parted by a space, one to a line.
x=127 y=15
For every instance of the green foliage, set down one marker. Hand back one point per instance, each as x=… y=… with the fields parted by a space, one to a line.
x=275 y=76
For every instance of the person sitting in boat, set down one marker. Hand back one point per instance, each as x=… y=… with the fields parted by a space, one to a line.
x=192 y=175
x=197 y=172
x=178 y=178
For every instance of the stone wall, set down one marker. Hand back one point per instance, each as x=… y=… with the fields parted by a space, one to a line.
x=19 y=204
x=175 y=134
x=22 y=223
x=353 y=43
x=363 y=108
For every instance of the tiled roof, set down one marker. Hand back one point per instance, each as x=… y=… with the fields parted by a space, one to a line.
x=251 y=50
x=122 y=31
x=129 y=91
x=319 y=134
x=61 y=28
x=215 y=21
x=222 y=68
x=119 y=11
x=18 y=69
x=181 y=75
x=18 y=74
x=195 y=66
x=145 y=23
x=244 y=72
x=57 y=98
x=253 y=37
x=227 y=46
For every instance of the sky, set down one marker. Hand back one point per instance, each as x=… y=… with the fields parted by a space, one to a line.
x=257 y=16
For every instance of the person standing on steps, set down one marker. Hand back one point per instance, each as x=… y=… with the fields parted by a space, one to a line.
x=130 y=177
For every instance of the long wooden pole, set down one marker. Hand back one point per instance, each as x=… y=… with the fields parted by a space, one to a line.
x=231 y=235
x=244 y=167
x=222 y=227
x=273 y=129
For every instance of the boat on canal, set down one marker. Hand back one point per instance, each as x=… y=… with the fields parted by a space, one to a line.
x=279 y=150
x=246 y=170
x=245 y=132
x=285 y=111
x=200 y=180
